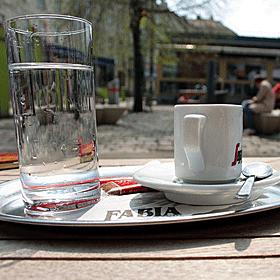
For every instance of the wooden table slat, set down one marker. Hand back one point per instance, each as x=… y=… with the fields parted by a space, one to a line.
x=141 y=249
x=236 y=269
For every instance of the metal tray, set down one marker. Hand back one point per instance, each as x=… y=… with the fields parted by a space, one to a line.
x=149 y=208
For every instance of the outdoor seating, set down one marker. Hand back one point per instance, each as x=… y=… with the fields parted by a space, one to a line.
x=193 y=96
x=268 y=123
x=109 y=113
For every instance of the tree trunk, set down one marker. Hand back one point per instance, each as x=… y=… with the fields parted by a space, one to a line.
x=138 y=71
x=136 y=14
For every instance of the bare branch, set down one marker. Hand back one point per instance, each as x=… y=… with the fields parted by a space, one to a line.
x=196 y=5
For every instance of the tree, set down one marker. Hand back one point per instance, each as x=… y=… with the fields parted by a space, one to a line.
x=194 y=8
x=137 y=11
x=140 y=9
x=100 y=10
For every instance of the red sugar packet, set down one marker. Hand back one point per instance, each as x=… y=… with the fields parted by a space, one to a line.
x=8 y=157
x=8 y=160
x=118 y=180
x=122 y=186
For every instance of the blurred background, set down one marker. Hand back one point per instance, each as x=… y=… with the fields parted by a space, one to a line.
x=148 y=53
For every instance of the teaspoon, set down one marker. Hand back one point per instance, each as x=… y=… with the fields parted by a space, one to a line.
x=253 y=171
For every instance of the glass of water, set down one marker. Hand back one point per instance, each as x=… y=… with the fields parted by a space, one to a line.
x=52 y=91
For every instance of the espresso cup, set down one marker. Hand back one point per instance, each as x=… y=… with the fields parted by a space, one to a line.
x=208 y=142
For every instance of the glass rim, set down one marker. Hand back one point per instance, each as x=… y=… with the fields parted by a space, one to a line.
x=46 y=16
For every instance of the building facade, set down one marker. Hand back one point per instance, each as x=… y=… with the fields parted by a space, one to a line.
x=185 y=62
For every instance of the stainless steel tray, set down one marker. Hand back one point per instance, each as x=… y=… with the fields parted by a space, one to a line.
x=132 y=210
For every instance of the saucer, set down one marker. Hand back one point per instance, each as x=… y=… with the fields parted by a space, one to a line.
x=160 y=176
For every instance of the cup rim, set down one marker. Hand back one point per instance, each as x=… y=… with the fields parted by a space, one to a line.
x=44 y=16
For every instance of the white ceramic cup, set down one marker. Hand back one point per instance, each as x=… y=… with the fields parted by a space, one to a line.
x=208 y=142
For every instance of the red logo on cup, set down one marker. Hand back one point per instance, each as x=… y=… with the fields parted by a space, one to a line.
x=237 y=155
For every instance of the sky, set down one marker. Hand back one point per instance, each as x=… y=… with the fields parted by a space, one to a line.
x=258 y=18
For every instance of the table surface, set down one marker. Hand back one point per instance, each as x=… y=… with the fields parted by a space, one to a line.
x=234 y=248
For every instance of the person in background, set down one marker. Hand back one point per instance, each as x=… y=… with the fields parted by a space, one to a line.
x=276 y=91
x=263 y=102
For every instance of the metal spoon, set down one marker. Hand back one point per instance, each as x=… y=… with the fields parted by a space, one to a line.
x=253 y=171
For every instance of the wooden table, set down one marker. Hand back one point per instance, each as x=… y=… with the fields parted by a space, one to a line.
x=238 y=248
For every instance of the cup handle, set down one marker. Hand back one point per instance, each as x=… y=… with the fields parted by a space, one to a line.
x=193 y=126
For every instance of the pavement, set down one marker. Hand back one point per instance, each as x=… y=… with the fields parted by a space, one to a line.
x=146 y=135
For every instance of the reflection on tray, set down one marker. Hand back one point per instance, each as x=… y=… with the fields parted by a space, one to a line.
x=138 y=208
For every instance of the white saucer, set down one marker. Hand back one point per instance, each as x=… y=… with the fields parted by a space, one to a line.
x=160 y=176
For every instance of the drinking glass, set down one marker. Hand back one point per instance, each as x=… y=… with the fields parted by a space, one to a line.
x=52 y=92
